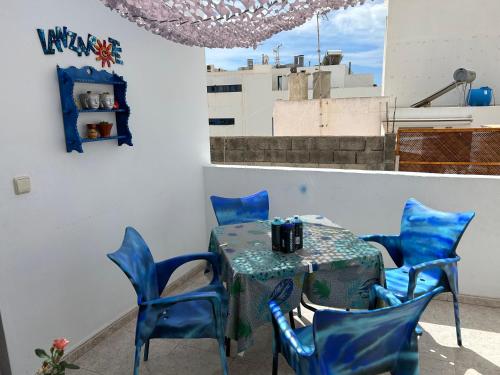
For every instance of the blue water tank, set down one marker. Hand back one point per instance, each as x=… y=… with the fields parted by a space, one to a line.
x=480 y=97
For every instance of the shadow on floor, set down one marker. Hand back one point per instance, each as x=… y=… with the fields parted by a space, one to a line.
x=476 y=317
x=459 y=358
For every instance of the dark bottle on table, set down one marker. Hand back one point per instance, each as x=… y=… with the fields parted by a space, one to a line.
x=276 y=233
x=287 y=237
x=298 y=228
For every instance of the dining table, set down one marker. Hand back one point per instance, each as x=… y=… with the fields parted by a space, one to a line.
x=334 y=269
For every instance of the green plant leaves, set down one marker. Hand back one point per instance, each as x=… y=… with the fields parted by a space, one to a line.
x=71 y=366
x=236 y=287
x=41 y=353
x=321 y=289
x=52 y=361
x=244 y=329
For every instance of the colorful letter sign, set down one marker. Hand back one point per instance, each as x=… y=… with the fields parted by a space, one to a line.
x=60 y=38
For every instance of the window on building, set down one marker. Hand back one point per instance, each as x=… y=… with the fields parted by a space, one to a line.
x=224 y=88
x=221 y=121
x=280 y=83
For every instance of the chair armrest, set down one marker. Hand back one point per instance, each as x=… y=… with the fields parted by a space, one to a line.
x=391 y=243
x=166 y=268
x=280 y=323
x=416 y=269
x=160 y=304
x=385 y=295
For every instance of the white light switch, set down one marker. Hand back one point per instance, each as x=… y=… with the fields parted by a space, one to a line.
x=22 y=185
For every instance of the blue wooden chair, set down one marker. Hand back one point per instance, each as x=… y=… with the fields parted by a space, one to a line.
x=353 y=342
x=241 y=210
x=201 y=313
x=425 y=253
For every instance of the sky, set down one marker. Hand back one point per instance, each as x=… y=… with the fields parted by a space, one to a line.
x=358 y=32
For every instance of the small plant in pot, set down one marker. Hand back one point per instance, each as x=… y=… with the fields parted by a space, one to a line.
x=92 y=131
x=52 y=362
x=104 y=128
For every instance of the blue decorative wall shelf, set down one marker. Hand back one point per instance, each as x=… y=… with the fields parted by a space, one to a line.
x=67 y=79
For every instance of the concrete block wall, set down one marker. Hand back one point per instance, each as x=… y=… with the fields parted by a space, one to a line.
x=367 y=153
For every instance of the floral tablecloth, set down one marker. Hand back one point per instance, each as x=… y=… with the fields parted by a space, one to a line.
x=334 y=269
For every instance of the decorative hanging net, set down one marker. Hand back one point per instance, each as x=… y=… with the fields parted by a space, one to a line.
x=222 y=23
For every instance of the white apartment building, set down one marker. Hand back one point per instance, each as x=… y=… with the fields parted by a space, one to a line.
x=426 y=41
x=240 y=103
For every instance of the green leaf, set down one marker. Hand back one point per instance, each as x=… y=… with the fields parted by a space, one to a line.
x=65 y=365
x=236 y=287
x=41 y=353
x=244 y=329
x=321 y=289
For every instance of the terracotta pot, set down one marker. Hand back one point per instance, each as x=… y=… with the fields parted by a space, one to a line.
x=104 y=129
x=92 y=131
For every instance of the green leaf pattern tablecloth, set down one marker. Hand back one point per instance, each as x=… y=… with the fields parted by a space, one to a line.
x=344 y=268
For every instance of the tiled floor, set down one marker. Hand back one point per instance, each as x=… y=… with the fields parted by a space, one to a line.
x=439 y=353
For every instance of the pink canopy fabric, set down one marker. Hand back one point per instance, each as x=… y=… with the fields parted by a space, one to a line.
x=222 y=23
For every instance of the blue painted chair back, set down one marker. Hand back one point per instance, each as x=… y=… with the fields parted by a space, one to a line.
x=241 y=210
x=428 y=234
x=135 y=260
x=367 y=342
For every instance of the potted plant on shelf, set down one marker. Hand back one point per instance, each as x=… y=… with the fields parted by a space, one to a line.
x=104 y=128
x=53 y=363
x=92 y=131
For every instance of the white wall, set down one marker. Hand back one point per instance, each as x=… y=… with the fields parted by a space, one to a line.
x=359 y=80
x=338 y=117
x=354 y=92
x=427 y=40
x=55 y=279
x=461 y=117
x=252 y=108
x=226 y=105
x=372 y=202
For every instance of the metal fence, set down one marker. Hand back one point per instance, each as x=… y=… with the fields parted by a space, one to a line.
x=458 y=151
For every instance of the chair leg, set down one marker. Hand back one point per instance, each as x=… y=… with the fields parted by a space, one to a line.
x=227 y=342
x=457 y=319
x=146 y=351
x=275 y=362
x=222 y=352
x=292 y=320
x=299 y=311
x=137 y=360
x=408 y=359
x=276 y=346
x=452 y=275
x=276 y=351
x=418 y=330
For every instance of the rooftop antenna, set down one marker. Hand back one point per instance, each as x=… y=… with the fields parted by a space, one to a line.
x=277 y=54
x=323 y=14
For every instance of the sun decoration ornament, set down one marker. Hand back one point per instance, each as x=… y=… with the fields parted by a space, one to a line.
x=104 y=53
x=222 y=23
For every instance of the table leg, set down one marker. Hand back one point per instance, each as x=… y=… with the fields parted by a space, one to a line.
x=227 y=342
x=292 y=320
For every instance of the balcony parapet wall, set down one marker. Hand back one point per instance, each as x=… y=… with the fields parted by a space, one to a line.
x=345 y=152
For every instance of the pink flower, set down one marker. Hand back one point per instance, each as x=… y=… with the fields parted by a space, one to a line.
x=60 y=344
